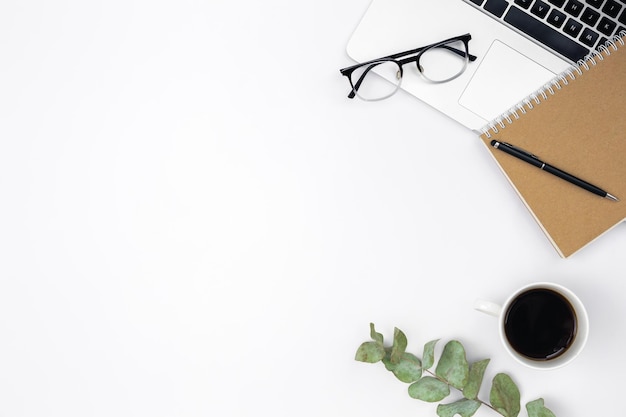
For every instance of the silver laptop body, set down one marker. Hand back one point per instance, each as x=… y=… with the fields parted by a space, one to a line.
x=511 y=64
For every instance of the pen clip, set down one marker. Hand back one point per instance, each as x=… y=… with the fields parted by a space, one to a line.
x=520 y=150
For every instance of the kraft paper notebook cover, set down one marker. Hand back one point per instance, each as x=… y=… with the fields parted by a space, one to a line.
x=577 y=122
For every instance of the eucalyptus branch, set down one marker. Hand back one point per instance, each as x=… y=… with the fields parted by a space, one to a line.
x=434 y=375
x=452 y=371
x=486 y=404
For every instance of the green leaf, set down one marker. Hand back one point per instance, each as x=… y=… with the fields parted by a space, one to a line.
x=476 y=373
x=370 y=352
x=453 y=366
x=408 y=369
x=537 y=409
x=505 y=396
x=377 y=337
x=399 y=345
x=464 y=408
x=429 y=389
x=428 y=359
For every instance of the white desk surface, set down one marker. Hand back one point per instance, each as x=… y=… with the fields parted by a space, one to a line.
x=196 y=221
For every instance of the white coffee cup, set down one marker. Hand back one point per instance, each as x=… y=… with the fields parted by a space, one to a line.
x=543 y=301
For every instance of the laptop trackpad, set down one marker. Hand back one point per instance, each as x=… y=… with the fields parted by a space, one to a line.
x=504 y=78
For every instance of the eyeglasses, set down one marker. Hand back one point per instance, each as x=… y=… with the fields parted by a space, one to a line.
x=437 y=63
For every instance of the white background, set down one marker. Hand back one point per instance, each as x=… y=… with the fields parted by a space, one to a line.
x=196 y=221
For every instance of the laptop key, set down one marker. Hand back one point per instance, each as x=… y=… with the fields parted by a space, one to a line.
x=496 y=7
x=540 y=9
x=589 y=37
x=545 y=34
x=595 y=3
x=574 y=7
x=590 y=16
x=556 y=18
x=525 y=4
x=612 y=8
x=477 y=2
x=607 y=26
x=572 y=27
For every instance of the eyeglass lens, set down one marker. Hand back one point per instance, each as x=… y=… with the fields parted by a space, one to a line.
x=378 y=80
x=443 y=63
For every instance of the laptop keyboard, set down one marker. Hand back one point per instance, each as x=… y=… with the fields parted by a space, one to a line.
x=571 y=28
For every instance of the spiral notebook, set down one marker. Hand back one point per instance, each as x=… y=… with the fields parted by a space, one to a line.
x=575 y=122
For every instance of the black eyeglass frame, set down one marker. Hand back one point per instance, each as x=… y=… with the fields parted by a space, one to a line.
x=415 y=57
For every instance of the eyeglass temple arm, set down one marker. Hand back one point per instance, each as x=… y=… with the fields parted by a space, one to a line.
x=458 y=52
x=417 y=50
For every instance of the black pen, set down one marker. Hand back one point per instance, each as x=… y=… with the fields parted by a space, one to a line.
x=533 y=160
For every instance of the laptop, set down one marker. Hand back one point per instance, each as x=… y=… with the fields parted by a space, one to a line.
x=520 y=44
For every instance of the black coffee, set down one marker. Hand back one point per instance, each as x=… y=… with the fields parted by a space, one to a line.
x=540 y=324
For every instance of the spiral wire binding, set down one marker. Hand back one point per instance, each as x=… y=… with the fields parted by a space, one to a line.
x=557 y=83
